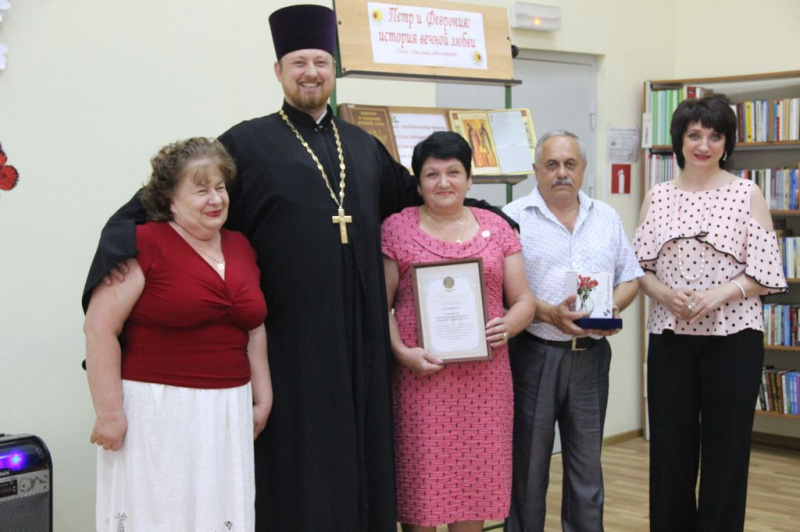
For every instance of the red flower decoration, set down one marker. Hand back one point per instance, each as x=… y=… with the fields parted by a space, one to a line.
x=8 y=174
x=585 y=286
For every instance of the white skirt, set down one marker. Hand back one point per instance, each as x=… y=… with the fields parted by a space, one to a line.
x=185 y=465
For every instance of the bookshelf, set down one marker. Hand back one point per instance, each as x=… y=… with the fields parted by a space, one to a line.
x=769 y=131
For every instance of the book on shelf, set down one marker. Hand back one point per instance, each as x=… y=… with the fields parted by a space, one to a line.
x=503 y=141
x=765 y=403
x=780 y=391
x=375 y=120
x=693 y=92
x=412 y=125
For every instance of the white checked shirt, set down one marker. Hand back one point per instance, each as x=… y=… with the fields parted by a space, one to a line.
x=597 y=243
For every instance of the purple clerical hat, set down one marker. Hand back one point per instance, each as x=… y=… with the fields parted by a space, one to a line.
x=301 y=27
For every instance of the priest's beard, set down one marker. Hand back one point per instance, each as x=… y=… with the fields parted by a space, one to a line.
x=309 y=102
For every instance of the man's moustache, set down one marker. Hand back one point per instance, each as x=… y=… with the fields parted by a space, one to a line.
x=562 y=181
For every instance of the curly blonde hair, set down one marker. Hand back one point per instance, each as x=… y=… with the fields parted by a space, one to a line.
x=171 y=163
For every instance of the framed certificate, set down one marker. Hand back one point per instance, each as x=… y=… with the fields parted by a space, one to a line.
x=451 y=309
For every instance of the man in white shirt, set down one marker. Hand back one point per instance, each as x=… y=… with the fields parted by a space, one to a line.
x=560 y=371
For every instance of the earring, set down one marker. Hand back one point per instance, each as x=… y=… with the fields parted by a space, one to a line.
x=724 y=156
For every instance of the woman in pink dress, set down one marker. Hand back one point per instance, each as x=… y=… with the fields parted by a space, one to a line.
x=708 y=249
x=453 y=422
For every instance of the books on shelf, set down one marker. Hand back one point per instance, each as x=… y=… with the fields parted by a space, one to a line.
x=662 y=104
x=786 y=122
x=780 y=391
x=758 y=120
x=375 y=120
x=663 y=101
x=780 y=324
x=503 y=141
x=789 y=247
x=661 y=167
x=768 y=120
x=781 y=186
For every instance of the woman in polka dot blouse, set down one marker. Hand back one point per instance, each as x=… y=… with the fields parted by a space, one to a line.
x=709 y=251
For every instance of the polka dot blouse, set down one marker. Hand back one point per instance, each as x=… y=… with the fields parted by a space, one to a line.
x=715 y=227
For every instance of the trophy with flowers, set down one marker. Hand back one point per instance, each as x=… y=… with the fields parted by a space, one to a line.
x=593 y=293
x=585 y=286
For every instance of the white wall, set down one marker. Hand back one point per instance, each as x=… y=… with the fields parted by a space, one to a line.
x=735 y=37
x=94 y=87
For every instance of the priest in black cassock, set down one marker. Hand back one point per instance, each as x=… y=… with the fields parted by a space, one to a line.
x=310 y=195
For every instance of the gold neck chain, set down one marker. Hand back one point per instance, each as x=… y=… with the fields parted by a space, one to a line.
x=448 y=236
x=218 y=264
x=342 y=219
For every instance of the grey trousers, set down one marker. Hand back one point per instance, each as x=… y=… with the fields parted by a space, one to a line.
x=555 y=384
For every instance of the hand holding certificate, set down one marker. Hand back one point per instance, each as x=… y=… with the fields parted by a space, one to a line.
x=451 y=309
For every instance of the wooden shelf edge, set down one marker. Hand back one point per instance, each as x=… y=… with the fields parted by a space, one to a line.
x=401 y=76
x=729 y=79
x=769 y=145
x=507 y=179
x=769 y=413
x=790 y=348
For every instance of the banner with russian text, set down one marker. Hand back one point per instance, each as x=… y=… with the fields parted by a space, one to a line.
x=408 y=35
x=424 y=39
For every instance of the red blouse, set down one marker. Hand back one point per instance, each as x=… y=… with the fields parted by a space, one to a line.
x=190 y=327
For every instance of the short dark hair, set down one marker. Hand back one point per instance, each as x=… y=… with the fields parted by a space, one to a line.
x=713 y=112
x=442 y=145
x=169 y=166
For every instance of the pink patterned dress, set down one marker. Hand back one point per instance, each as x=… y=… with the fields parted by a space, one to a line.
x=453 y=429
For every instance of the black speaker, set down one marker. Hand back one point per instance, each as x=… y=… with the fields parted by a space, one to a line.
x=26 y=484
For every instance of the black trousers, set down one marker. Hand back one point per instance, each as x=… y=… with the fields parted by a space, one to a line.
x=556 y=384
x=701 y=394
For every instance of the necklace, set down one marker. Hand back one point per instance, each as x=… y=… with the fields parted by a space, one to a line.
x=341 y=218
x=461 y=226
x=692 y=278
x=218 y=264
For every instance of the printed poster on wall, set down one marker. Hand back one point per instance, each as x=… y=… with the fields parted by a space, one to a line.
x=426 y=36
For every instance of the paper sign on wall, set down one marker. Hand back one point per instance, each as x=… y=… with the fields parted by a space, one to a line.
x=426 y=36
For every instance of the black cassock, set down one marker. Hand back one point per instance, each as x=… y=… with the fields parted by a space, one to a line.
x=325 y=460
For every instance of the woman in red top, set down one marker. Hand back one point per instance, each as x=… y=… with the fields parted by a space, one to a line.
x=177 y=359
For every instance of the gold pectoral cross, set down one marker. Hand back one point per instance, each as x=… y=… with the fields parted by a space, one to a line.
x=342 y=220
